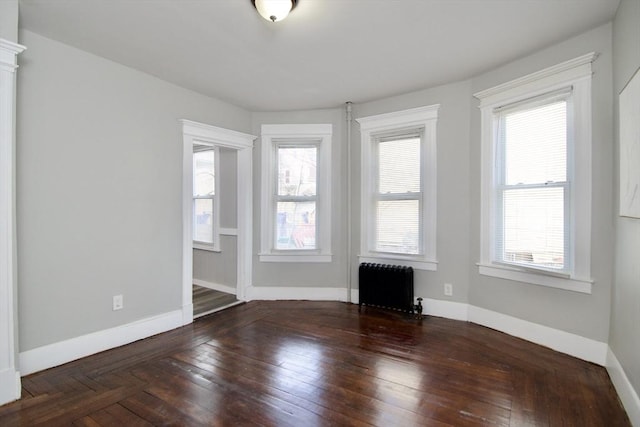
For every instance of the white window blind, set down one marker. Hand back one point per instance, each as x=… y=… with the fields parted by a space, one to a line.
x=532 y=188
x=398 y=195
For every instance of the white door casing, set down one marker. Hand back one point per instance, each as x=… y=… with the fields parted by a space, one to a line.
x=9 y=372
x=199 y=133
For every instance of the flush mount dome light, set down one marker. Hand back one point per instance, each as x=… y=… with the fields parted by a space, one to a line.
x=274 y=10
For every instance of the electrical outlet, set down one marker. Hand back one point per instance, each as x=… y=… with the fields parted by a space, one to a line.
x=448 y=289
x=118 y=302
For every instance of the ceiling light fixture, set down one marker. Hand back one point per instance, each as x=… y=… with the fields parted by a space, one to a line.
x=274 y=10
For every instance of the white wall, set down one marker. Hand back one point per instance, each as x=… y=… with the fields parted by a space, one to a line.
x=625 y=307
x=99 y=190
x=9 y=20
x=580 y=314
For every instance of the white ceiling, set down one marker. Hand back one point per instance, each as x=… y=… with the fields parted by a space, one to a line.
x=325 y=53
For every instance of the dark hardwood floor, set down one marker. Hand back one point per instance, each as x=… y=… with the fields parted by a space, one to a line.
x=207 y=300
x=321 y=363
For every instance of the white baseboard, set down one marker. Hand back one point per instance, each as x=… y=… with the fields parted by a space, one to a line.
x=448 y=309
x=10 y=386
x=216 y=286
x=355 y=296
x=62 y=352
x=564 y=342
x=187 y=314
x=626 y=392
x=271 y=293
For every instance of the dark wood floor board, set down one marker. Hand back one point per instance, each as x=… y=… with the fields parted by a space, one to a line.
x=235 y=390
x=311 y=383
x=117 y=416
x=86 y=422
x=200 y=402
x=250 y=374
x=205 y=300
x=295 y=363
x=290 y=385
x=158 y=412
x=296 y=367
x=82 y=405
x=388 y=368
x=531 y=408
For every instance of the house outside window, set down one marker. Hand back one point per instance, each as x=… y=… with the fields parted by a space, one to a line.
x=296 y=197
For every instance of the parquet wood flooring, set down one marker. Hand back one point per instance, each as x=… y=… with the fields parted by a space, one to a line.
x=301 y=363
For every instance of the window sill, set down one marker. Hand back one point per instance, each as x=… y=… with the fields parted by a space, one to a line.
x=541 y=279
x=296 y=257
x=416 y=264
x=205 y=247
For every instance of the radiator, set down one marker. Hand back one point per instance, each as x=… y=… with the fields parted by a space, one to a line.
x=387 y=286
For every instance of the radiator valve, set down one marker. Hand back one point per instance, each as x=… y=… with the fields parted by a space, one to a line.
x=418 y=307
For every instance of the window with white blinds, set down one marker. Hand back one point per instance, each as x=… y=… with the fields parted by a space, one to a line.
x=398 y=199
x=536 y=190
x=532 y=189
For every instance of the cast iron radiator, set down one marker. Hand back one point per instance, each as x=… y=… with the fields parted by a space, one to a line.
x=387 y=286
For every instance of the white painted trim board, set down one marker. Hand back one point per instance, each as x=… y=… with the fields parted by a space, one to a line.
x=61 y=352
x=10 y=385
x=272 y=293
x=215 y=286
x=627 y=394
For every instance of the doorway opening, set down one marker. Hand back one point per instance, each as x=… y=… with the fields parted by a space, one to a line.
x=217 y=217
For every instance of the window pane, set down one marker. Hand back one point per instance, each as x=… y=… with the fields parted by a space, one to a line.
x=399 y=166
x=297 y=171
x=203 y=220
x=534 y=227
x=296 y=225
x=398 y=226
x=203 y=173
x=536 y=144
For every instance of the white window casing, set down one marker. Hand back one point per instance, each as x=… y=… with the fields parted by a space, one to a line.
x=572 y=77
x=275 y=137
x=413 y=123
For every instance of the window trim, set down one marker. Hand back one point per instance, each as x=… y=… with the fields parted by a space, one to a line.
x=272 y=136
x=575 y=73
x=215 y=245
x=423 y=119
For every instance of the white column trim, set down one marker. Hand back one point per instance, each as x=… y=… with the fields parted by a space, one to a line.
x=9 y=373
